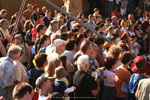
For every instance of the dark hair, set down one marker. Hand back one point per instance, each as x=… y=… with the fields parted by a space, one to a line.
x=63 y=58
x=80 y=15
x=126 y=57
x=64 y=36
x=70 y=44
x=79 y=38
x=42 y=40
x=85 y=45
x=99 y=41
x=21 y=89
x=40 y=59
x=39 y=27
x=109 y=62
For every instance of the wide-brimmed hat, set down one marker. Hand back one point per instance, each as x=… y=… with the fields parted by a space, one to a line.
x=139 y=65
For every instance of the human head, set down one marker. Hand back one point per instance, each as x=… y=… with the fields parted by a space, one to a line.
x=40 y=29
x=3 y=13
x=70 y=45
x=91 y=18
x=44 y=82
x=54 y=37
x=18 y=39
x=44 y=8
x=114 y=51
x=52 y=64
x=4 y=23
x=29 y=6
x=85 y=45
x=14 y=52
x=60 y=45
x=22 y=91
x=126 y=58
x=60 y=72
x=83 y=62
x=109 y=63
x=41 y=60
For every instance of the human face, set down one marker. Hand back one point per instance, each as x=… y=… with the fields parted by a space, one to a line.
x=47 y=42
x=48 y=84
x=62 y=48
x=18 y=40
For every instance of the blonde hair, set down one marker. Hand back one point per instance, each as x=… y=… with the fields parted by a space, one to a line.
x=52 y=65
x=114 y=51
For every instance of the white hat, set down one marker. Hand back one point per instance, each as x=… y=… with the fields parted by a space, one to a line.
x=58 y=42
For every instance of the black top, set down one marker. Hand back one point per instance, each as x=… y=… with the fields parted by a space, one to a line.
x=84 y=83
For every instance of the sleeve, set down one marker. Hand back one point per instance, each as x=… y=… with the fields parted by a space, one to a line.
x=17 y=72
x=9 y=75
x=28 y=74
x=92 y=85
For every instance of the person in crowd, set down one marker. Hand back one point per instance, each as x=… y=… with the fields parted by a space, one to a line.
x=53 y=27
x=19 y=69
x=52 y=65
x=34 y=15
x=44 y=42
x=61 y=83
x=115 y=52
x=7 y=81
x=4 y=36
x=60 y=48
x=33 y=74
x=91 y=23
x=70 y=50
x=99 y=57
x=44 y=9
x=109 y=82
x=121 y=81
x=110 y=7
x=44 y=86
x=23 y=91
x=47 y=18
x=28 y=12
x=85 y=83
x=51 y=48
x=25 y=60
x=41 y=31
x=137 y=67
x=3 y=13
x=143 y=89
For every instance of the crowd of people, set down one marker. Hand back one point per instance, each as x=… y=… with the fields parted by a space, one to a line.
x=53 y=57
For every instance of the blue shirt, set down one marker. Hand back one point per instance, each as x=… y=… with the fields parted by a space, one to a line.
x=6 y=72
x=132 y=86
x=93 y=66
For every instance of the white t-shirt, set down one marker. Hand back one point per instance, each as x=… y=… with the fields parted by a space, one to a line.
x=110 y=80
x=42 y=97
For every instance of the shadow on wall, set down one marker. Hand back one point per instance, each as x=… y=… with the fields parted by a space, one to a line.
x=13 y=6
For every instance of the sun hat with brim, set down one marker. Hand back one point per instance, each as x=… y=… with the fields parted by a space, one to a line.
x=139 y=65
x=42 y=79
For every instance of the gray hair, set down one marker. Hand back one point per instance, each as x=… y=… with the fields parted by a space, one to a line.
x=14 y=51
x=82 y=61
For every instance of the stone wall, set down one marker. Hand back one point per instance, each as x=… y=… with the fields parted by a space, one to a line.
x=13 y=5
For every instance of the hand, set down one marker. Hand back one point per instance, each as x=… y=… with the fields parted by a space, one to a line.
x=74 y=87
x=2 y=98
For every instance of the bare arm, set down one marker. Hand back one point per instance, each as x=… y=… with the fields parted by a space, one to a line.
x=2 y=49
x=96 y=91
